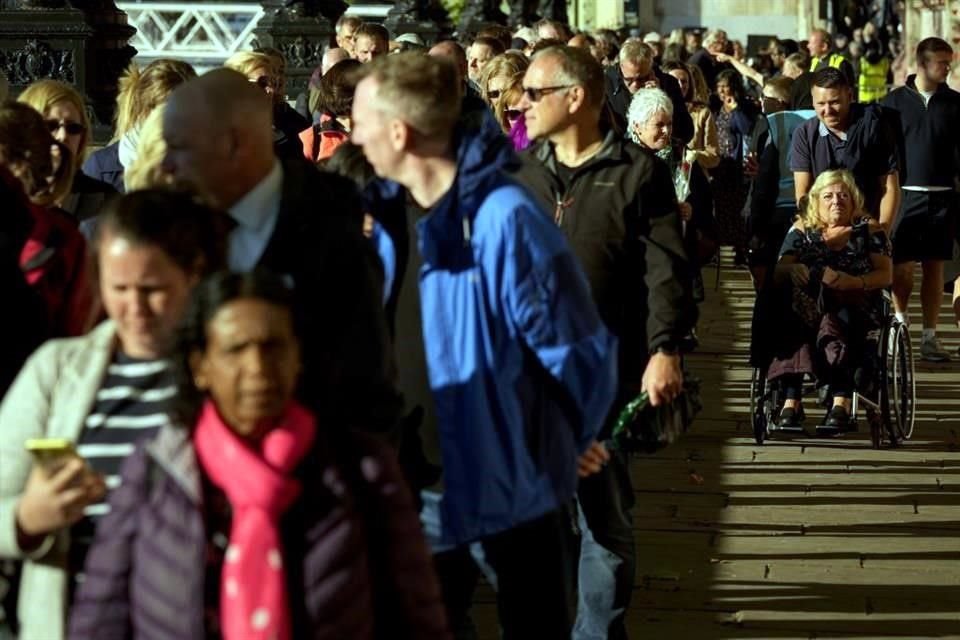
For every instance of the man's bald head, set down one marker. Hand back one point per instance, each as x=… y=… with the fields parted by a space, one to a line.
x=332 y=57
x=453 y=51
x=219 y=134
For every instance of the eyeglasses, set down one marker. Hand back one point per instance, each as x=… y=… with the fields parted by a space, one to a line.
x=494 y=94
x=535 y=94
x=72 y=128
x=513 y=114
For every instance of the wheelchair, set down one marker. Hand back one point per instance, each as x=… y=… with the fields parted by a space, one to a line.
x=886 y=397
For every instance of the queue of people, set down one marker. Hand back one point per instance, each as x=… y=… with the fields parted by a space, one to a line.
x=329 y=365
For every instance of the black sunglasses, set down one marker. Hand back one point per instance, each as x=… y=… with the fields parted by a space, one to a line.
x=535 y=94
x=72 y=128
x=494 y=94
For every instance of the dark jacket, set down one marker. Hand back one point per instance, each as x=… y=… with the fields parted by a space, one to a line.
x=355 y=559
x=318 y=241
x=91 y=196
x=619 y=97
x=24 y=324
x=709 y=66
x=931 y=134
x=104 y=165
x=622 y=222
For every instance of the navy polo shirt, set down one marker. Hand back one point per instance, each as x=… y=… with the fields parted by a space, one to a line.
x=868 y=150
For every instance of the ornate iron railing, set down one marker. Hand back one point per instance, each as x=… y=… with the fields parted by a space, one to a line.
x=196 y=31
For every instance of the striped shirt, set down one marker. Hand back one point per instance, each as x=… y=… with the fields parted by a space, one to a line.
x=131 y=405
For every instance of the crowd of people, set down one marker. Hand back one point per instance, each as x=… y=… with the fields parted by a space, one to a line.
x=310 y=366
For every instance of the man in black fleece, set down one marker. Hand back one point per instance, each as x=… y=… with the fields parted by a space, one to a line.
x=616 y=205
x=925 y=229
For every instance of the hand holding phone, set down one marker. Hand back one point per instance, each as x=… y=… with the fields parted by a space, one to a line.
x=58 y=489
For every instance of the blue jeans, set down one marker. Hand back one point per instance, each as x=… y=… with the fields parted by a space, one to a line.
x=607 y=552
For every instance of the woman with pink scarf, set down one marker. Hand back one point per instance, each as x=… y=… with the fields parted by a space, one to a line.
x=256 y=522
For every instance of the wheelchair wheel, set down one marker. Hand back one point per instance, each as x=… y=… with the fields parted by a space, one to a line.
x=903 y=384
x=758 y=413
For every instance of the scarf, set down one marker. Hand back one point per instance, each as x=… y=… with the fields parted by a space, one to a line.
x=256 y=480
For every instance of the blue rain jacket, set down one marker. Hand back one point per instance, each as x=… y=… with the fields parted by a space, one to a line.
x=522 y=369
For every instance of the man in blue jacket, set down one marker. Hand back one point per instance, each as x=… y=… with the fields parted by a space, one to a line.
x=520 y=369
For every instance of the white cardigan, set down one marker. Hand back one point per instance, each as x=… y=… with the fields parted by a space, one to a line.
x=51 y=398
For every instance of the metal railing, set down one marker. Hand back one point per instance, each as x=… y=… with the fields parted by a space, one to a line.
x=195 y=31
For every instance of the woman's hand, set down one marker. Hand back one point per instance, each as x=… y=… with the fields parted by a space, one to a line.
x=799 y=275
x=721 y=57
x=839 y=280
x=51 y=502
x=686 y=211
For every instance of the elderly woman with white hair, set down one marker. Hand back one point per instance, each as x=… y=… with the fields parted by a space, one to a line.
x=650 y=125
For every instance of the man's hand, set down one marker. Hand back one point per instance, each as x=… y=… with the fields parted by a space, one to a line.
x=592 y=460
x=662 y=379
x=686 y=211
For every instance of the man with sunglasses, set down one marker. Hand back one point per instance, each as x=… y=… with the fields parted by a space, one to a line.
x=617 y=207
x=634 y=71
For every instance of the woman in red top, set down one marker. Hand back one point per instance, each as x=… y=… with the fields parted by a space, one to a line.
x=53 y=258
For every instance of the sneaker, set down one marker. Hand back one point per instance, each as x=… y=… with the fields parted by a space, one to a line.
x=932 y=351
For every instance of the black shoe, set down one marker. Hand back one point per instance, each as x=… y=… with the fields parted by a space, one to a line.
x=791 y=421
x=837 y=422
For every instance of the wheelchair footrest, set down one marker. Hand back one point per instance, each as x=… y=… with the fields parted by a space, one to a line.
x=826 y=431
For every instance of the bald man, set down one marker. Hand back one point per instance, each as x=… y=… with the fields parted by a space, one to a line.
x=332 y=57
x=296 y=221
x=473 y=108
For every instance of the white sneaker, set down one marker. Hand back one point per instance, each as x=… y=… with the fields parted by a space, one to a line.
x=932 y=351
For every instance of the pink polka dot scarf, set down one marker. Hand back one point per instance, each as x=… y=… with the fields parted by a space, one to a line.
x=256 y=480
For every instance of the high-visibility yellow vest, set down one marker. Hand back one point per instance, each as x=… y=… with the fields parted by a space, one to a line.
x=835 y=60
x=872 y=84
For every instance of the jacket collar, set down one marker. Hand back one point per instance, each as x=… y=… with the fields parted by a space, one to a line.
x=172 y=449
x=101 y=342
x=911 y=84
x=613 y=148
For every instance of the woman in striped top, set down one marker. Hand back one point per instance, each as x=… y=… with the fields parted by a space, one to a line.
x=105 y=391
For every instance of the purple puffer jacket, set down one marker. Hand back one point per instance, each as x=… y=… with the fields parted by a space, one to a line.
x=350 y=574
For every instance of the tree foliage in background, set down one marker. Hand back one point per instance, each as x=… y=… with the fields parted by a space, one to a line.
x=454 y=7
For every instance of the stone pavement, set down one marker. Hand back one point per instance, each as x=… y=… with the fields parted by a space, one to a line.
x=802 y=539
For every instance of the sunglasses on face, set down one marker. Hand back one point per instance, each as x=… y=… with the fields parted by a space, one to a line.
x=494 y=94
x=72 y=128
x=639 y=79
x=535 y=94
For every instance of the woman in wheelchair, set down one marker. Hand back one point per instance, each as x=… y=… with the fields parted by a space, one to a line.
x=833 y=265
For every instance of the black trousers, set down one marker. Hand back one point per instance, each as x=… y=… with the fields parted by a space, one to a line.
x=535 y=563
x=606 y=499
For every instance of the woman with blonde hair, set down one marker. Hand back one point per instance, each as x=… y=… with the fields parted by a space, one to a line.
x=141 y=91
x=65 y=113
x=266 y=71
x=830 y=298
x=498 y=73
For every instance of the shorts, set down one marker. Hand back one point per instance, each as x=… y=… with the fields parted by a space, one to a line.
x=926 y=226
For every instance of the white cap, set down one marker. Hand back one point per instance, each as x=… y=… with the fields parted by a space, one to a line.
x=653 y=36
x=410 y=38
